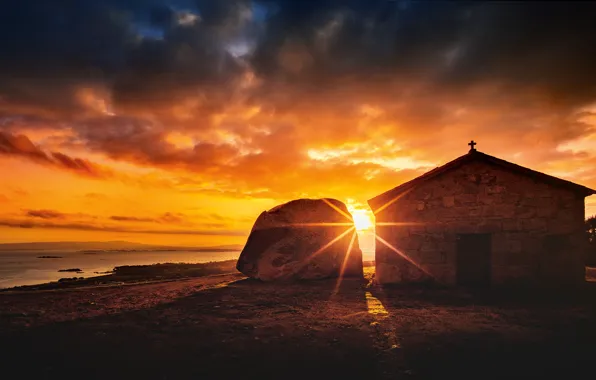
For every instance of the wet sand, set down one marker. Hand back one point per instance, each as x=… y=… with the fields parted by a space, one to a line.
x=226 y=326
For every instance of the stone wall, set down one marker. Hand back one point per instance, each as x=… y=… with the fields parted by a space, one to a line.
x=480 y=198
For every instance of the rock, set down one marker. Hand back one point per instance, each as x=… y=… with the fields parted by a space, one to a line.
x=294 y=241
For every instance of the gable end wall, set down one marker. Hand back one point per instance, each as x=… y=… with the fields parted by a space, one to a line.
x=480 y=198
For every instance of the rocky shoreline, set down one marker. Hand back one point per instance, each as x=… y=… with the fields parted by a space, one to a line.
x=135 y=274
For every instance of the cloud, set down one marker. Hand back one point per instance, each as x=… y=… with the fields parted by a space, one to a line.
x=20 y=146
x=149 y=58
x=172 y=223
x=76 y=164
x=145 y=143
x=93 y=227
x=96 y=196
x=167 y=218
x=287 y=98
x=175 y=218
x=450 y=43
x=146 y=54
x=130 y=219
x=46 y=214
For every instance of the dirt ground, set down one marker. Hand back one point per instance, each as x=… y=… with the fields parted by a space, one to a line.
x=226 y=326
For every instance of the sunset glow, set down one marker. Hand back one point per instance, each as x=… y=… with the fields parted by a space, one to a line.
x=362 y=220
x=184 y=130
x=249 y=189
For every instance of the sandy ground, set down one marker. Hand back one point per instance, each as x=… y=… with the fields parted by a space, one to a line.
x=226 y=326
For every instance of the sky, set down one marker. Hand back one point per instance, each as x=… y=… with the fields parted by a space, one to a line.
x=178 y=121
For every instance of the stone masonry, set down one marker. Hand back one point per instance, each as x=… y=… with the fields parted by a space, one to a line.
x=519 y=211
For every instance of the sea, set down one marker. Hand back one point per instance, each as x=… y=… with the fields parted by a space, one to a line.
x=31 y=267
x=38 y=263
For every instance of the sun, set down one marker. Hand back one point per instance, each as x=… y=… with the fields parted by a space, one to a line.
x=362 y=220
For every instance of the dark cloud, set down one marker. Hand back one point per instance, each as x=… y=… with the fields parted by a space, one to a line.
x=49 y=49
x=21 y=146
x=175 y=218
x=76 y=164
x=120 y=76
x=94 y=227
x=550 y=45
x=178 y=223
x=46 y=214
x=131 y=219
x=167 y=218
x=143 y=142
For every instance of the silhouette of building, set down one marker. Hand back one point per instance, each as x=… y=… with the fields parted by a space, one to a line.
x=479 y=220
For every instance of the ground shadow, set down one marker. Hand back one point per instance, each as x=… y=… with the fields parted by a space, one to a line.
x=251 y=329
x=503 y=333
x=245 y=329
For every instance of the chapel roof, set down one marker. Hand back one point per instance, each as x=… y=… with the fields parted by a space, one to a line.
x=475 y=156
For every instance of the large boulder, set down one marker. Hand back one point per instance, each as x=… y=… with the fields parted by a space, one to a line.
x=304 y=239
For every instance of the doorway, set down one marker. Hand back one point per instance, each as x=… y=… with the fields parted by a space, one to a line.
x=474 y=260
x=555 y=264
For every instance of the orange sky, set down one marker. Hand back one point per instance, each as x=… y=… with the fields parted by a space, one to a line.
x=178 y=147
x=167 y=193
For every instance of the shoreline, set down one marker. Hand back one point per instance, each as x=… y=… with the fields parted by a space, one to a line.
x=140 y=274
x=35 y=268
x=135 y=274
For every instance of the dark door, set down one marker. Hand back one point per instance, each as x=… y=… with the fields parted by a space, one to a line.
x=473 y=260
x=555 y=262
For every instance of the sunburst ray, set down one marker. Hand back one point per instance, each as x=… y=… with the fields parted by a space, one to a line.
x=403 y=255
x=320 y=224
x=317 y=252
x=399 y=224
x=342 y=212
x=390 y=202
x=345 y=263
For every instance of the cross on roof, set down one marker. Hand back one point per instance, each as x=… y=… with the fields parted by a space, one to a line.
x=472 y=144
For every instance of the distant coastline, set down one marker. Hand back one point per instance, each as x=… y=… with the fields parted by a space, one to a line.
x=112 y=246
x=181 y=249
x=27 y=265
x=136 y=274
